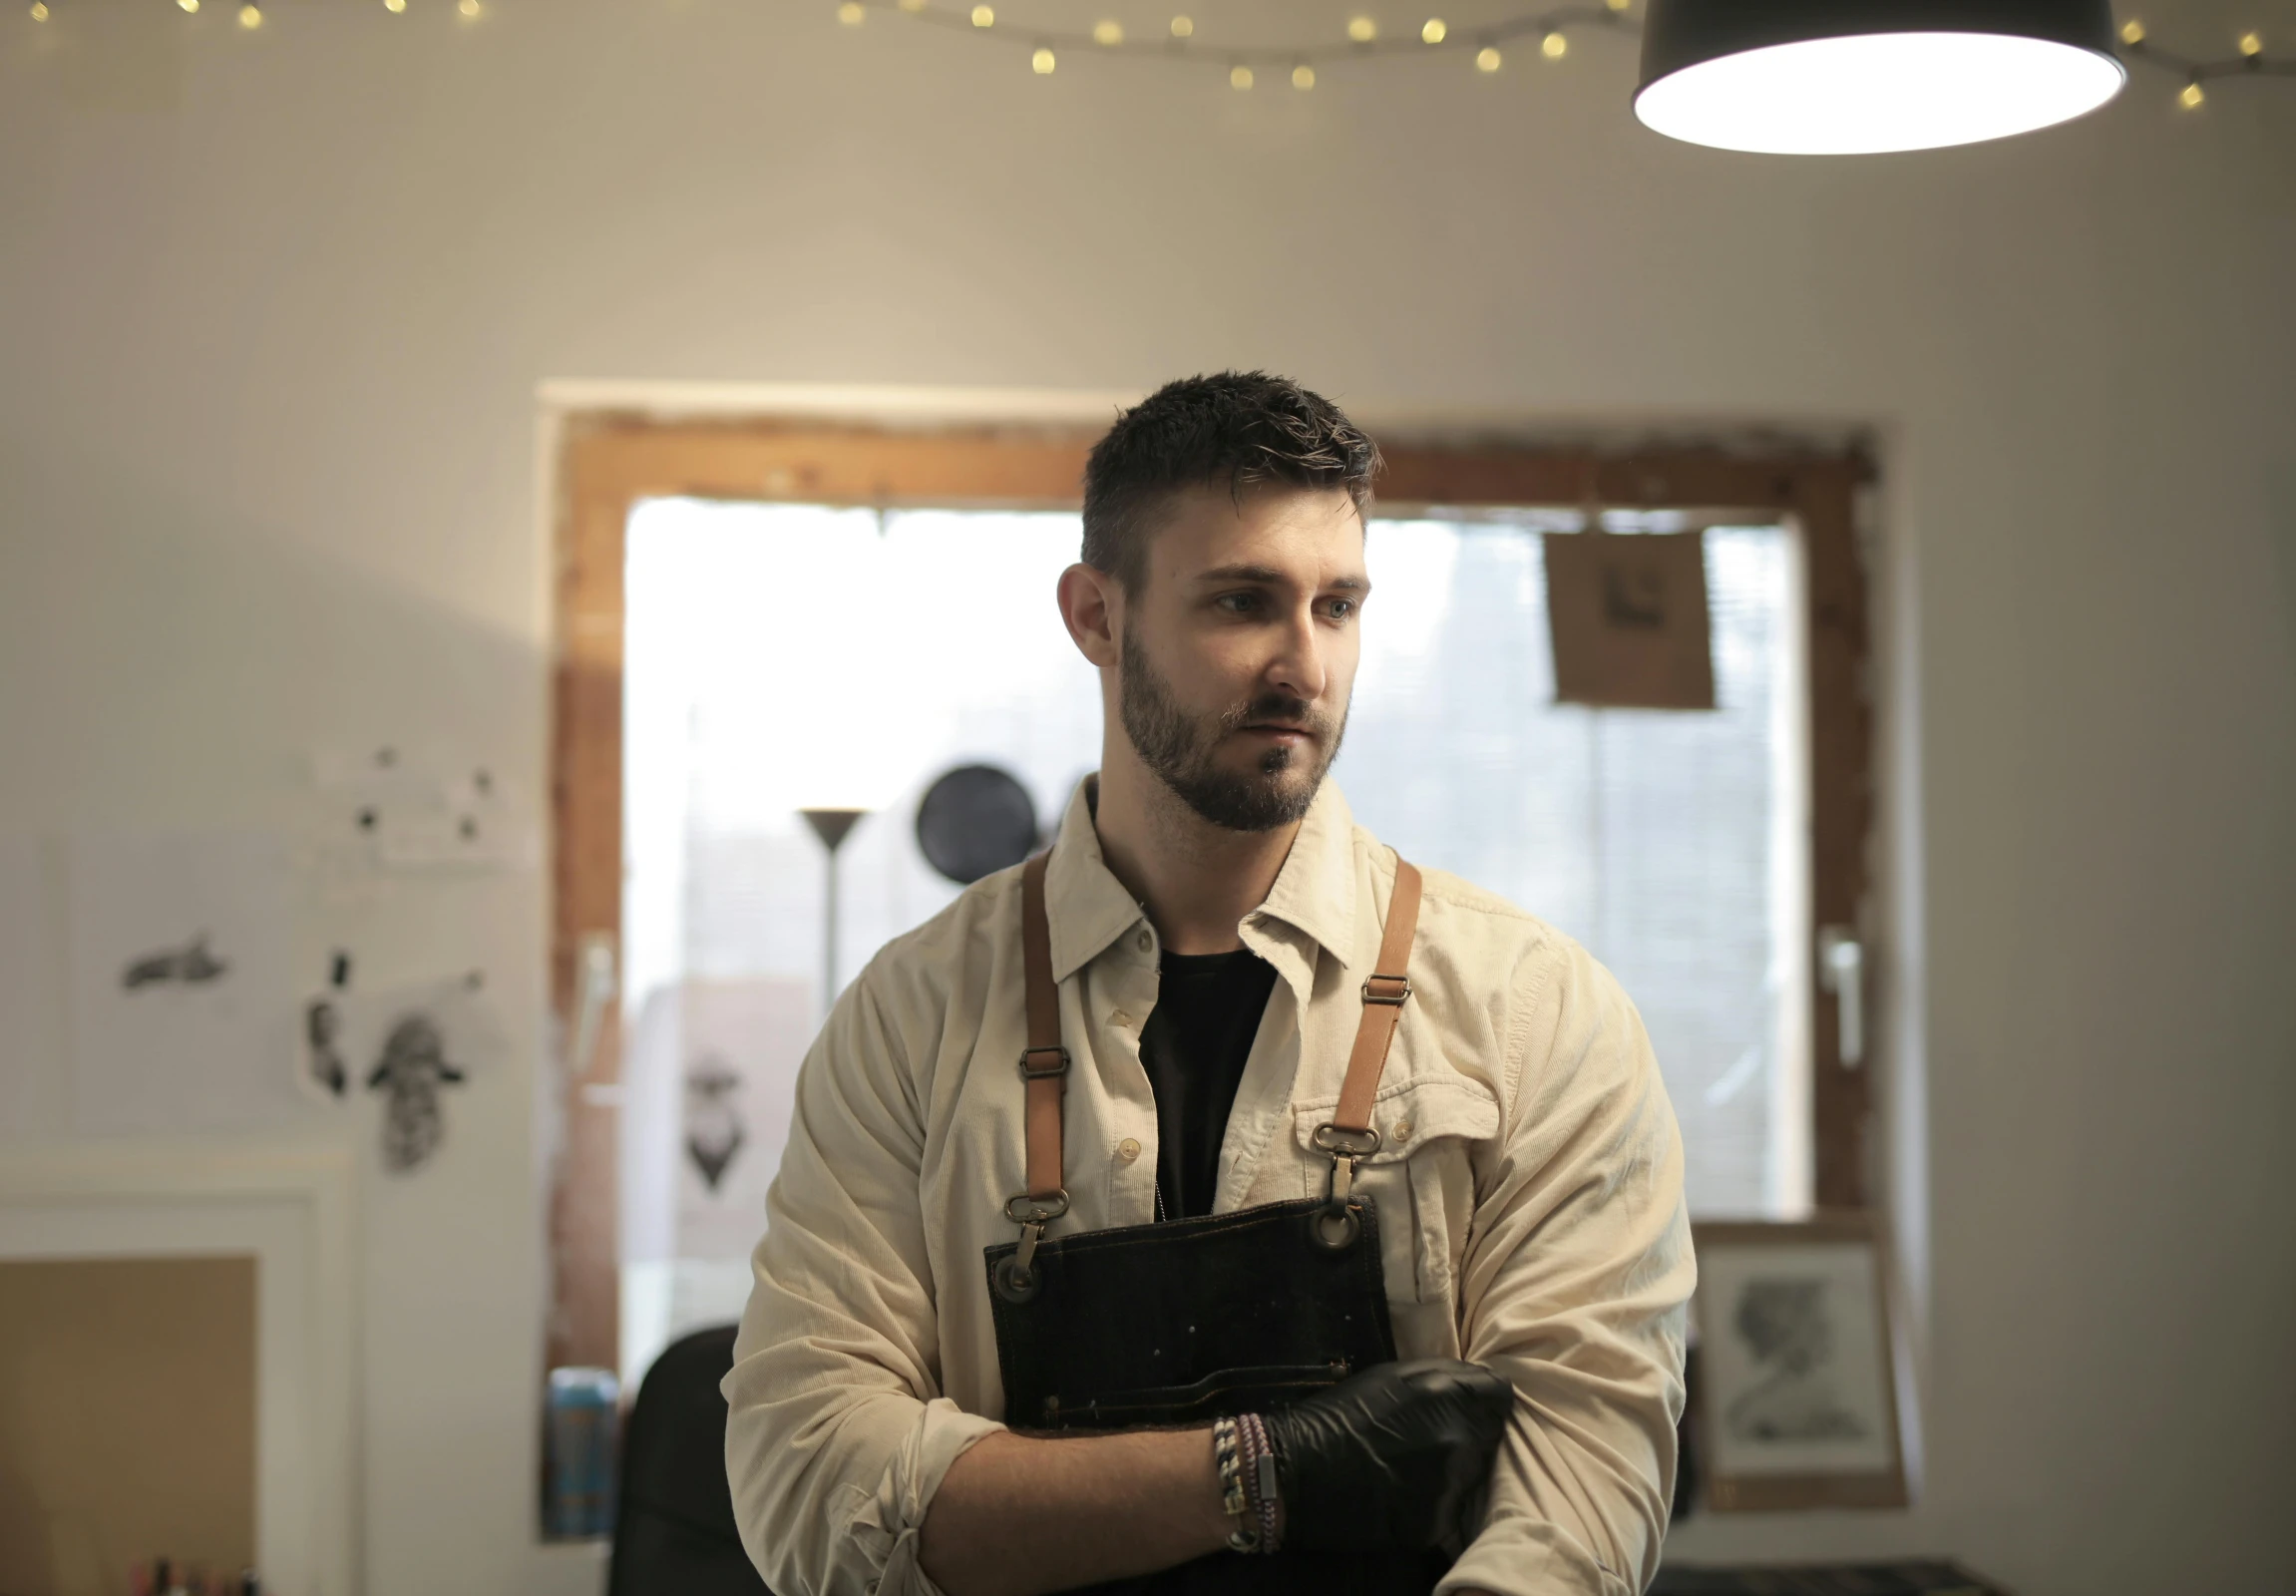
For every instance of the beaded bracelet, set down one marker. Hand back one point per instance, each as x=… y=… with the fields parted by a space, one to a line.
x=1234 y=1499
x=1257 y=1463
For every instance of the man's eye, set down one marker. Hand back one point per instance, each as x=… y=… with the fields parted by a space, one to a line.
x=1239 y=603
x=1342 y=609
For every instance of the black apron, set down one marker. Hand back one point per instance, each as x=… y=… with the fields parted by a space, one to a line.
x=1199 y=1319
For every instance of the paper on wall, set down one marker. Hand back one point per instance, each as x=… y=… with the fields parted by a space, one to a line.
x=396 y=809
x=183 y=984
x=740 y=1042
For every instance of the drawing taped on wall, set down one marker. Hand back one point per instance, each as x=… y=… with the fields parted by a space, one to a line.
x=182 y=973
x=714 y=1131
x=412 y=1073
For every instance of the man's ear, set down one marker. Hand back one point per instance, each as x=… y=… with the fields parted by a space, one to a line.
x=1091 y=606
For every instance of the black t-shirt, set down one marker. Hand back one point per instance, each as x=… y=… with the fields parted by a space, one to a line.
x=1194 y=1046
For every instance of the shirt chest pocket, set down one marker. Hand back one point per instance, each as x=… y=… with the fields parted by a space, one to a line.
x=1423 y=1177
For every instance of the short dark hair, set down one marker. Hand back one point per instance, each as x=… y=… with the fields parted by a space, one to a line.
x=1237 y=429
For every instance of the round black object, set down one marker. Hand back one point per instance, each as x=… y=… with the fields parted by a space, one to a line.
x=975 y=821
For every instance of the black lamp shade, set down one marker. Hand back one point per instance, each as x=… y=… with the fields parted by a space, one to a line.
x=1858 y=76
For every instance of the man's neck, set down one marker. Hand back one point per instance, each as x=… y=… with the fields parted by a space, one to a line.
x=1195 y=880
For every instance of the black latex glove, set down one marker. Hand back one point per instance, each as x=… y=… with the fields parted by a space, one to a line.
x=1389 y=1458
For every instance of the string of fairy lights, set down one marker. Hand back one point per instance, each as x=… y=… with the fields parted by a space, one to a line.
x=250 y=13
x=1182 y=42
x=2138 y=45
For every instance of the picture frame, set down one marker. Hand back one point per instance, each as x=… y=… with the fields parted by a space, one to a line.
x=1798 y=1374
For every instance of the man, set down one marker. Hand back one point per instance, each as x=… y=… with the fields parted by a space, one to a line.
x=1275 y=1091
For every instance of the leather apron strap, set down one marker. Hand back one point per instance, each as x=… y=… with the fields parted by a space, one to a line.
x=1045 y=1065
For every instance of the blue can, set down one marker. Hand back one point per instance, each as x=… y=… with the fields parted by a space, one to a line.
x=581 y=1436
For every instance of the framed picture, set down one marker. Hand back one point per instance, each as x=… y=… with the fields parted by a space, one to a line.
x=1797 y=1386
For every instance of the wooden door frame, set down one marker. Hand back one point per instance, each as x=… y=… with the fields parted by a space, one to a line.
x=607 y=461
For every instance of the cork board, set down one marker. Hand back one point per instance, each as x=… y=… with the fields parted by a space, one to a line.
x=127 y=1420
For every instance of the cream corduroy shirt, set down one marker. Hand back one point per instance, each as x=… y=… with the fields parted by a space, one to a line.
x=1529 y=1187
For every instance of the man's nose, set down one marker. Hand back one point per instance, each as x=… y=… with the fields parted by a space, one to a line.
x=1299 y=668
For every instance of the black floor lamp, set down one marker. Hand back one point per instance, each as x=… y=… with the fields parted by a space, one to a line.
x=832 y=826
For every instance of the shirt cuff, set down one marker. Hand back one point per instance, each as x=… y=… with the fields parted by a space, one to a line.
x=1516 y=1556
x=885 y=1530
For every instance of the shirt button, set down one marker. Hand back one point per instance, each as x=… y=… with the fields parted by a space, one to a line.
x=1127 y=1149
x=1402 y=1130
x=1146 y=942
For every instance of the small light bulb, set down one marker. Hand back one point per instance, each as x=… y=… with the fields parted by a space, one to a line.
x=1432 y=30
x=1239 y=77
x=984 y=16
x=1043 y=62
x=250 y=15
x=2133 y=32
x=1554 y=47
x=39 y=10
x=397 y=8
x=1182 y=27
x=1109 y=32
x=1362 y=29
x=913 y=5
x=1303 y=76
x=1617 y=5
x=190 y=8
x=1487 y=59
x=470 y=9
x=2191 y=97
x=2252 y=45
x=852 y=13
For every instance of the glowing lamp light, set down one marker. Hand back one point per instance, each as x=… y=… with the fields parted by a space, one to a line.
x=1860 y=77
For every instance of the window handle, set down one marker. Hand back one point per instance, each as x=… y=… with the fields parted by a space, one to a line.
x=1842 y=971
x=595 y=990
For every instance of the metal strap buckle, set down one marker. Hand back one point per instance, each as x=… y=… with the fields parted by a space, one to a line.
x=1390 y=989
x=1345 y=1147
x=1015 y=1276
x=1029 y=1209
x=1051 y=1071
x=1340 y=1142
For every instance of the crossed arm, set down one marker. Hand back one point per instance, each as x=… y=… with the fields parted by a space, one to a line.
x=851 y=1471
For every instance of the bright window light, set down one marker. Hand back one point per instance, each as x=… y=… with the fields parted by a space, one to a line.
x=1870 y=93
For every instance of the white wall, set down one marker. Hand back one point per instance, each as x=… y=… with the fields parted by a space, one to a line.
x=272 y=315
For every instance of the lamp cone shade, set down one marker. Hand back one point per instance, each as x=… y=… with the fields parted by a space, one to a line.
x=1858 y=77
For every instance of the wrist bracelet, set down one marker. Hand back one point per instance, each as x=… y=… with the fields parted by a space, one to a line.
x=1227 y=1457
x=1257 y=1463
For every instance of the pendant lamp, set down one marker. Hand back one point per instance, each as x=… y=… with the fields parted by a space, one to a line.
x=1857 y=77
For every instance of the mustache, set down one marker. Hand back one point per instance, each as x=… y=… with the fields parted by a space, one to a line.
x=1279 y=708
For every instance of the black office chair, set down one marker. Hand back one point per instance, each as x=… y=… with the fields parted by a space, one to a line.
x=674 y=1531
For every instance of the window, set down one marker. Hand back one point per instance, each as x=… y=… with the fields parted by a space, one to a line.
x=1689 y=850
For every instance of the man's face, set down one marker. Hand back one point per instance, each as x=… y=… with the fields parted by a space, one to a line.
x=1239 y=650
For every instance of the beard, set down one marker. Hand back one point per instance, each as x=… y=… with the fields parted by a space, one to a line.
x=1183 y=749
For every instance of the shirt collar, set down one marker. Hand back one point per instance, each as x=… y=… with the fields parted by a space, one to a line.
x=1315 y=892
